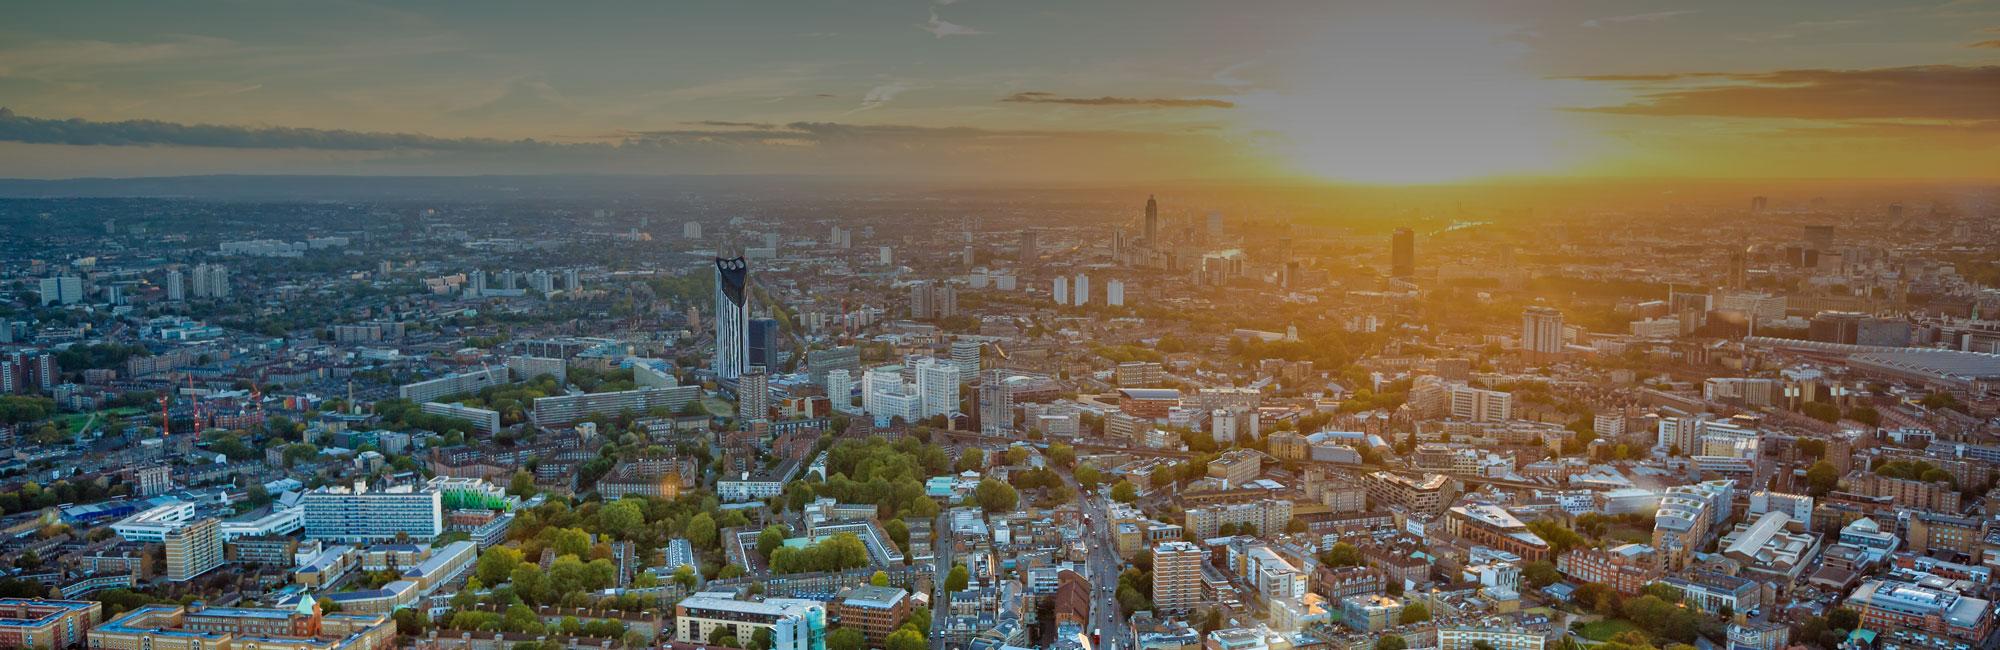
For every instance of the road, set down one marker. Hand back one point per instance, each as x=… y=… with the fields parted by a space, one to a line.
x=941 y=545
x=1102 y=566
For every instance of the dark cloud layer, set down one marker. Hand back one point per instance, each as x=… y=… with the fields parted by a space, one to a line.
x=1152 y=102
x=19 y=128
x=1931 y=92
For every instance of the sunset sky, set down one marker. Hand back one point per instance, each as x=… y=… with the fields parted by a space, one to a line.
x=1008 y=90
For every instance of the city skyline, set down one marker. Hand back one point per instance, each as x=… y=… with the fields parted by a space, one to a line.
x=977 y=91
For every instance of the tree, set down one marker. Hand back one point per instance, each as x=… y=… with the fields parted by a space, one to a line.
x=846 y=638
x=1540 y=574
x=761 y=639
x=522 y=485
x=1088 y=476
x=972 y=460
x=1342 y=554
x=899 y=532
x=1482 y=645
x=1822 y=478
x=920 y=618
x=1124 y=492
x=622 y=519
x=701 y=531
x=412 y=621
x=880 y=579
x=1061 y=455
x=1414 y=613
x=1843 y=619
x=996 y=496
x=769 y=540
x=1391 y=642
x=497 y=564
x=958 y=579
x=906 y=639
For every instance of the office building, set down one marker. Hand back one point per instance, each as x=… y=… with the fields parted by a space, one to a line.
x=1176 y=576
x=1929 y=607
x=820 y=362
x=358 y=514
x=1370 y=612
x=153 y=524
x=1542 y=333
x=794 y=624
x=54 y=624
x=1494 y=527
x=193 y=549
x=1403 y=253
x=1479 y=405
x=732 y=317
x=1140 y=374
x=875 y=611
x=763 y=350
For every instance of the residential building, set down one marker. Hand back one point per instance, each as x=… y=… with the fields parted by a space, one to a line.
x=193 y=549
x=875 y=611
x=1176 y=576
x=794 y=624
x=55 y=624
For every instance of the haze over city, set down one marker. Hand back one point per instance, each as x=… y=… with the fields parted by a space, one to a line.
x=1000 y=325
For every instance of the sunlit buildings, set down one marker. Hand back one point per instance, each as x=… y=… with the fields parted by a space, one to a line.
x=1541 y=333
x=193 y=627
x=358 y=514
x=37 y=623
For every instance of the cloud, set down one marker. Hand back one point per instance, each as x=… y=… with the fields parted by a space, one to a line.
x=1930 y=92
x=18 y=128
x=707 y=147
x=1992 y=44
x=739 y=125
x=1635 y=18
x=1153 y=102
x=938 y=27
x=881 y=95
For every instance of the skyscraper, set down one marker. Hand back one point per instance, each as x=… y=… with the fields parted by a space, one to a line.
x=1082 y=289
x=937 y=384
x=732 y=317
x=1114 y=293
x=763 y=342
x=1152 y=222
x=1061 y=290
x=1403 y=253
x=1541 y=333
x=1757 y=204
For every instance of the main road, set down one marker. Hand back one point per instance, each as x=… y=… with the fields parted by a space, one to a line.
x=1102 y=566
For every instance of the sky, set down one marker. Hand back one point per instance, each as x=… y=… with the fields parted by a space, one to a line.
x=1009 y=91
